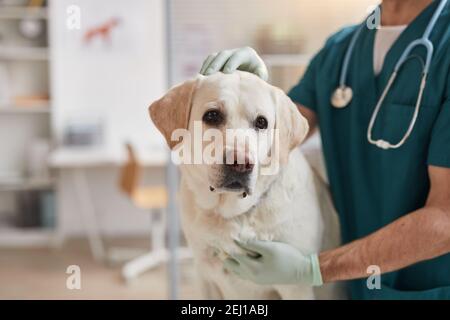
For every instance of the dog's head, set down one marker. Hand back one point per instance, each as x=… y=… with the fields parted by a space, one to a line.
x=237 y=125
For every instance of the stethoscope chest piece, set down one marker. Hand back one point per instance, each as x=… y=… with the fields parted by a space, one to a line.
x=341 y=97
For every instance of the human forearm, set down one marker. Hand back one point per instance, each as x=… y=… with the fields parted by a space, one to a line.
x=421 y=235
x=310 y=116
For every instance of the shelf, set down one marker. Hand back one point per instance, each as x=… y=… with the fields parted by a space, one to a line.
x=41 y=109
x=10 y=12
x=21 y=184
x=25 y=237
x=24 y=53
x=286 y=60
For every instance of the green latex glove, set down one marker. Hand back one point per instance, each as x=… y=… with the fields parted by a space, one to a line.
x=228 y=61
x=268 y=262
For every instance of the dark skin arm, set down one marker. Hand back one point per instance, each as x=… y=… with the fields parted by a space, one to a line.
x=311 y=117
x=420 y=235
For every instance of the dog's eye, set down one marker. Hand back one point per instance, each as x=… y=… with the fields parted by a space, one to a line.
x=213 y=117
x=261 y=123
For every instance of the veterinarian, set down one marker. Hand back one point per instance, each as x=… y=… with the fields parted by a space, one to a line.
x=386 y=142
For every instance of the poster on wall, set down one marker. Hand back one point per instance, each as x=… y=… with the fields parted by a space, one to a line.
x=109 y=63
x=93 y=27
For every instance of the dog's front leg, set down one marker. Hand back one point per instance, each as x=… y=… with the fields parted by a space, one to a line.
x=209 y=290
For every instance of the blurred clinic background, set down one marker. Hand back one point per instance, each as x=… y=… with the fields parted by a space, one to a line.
x=83 y=172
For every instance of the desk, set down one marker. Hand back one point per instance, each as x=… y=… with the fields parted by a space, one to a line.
x=85 y=157
x=77 y=159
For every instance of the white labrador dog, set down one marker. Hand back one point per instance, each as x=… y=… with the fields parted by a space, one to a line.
x=221 y=202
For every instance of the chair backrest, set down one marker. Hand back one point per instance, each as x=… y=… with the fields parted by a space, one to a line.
x=130 y=173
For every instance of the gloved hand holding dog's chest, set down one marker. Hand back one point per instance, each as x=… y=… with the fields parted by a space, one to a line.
x=271 y=262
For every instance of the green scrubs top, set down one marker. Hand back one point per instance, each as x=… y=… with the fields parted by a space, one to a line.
x=372 y=187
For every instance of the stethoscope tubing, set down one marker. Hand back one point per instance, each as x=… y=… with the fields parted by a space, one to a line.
x=348 y=55
x=423 y=41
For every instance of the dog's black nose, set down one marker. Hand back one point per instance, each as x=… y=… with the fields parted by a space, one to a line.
x=239 y=165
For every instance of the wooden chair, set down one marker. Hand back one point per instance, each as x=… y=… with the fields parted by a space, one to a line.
x=142 y=197
x=155 y=200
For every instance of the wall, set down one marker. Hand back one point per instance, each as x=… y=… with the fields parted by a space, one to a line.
x=113 y=80
x=214 y=25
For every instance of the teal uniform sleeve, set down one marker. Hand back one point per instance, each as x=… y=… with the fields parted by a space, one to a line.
x=304 y=92
x=439 y=150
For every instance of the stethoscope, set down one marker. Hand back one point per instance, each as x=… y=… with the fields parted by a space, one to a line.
x=343 y=94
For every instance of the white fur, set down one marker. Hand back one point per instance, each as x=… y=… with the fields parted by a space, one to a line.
x=292 y=206
x=293 y=212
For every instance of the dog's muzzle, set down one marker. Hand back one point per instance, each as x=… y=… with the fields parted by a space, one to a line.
x=236 y=175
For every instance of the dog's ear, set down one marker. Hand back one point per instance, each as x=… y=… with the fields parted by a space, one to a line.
x=173 y=110
x=291 y=124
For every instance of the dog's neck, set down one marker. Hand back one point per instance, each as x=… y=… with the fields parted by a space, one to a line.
x=232 y=205
x=258 y=201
